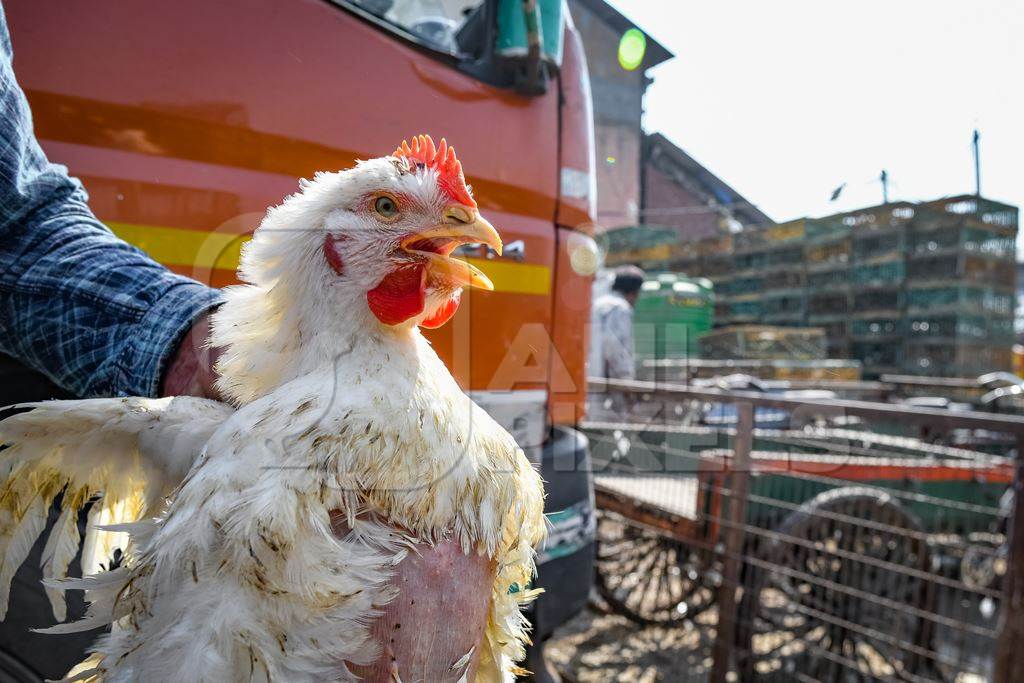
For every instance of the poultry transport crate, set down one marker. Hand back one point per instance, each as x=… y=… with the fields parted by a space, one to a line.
x=827 y=277
x=834 y=252
x=763 y=342
x=969 y=298
x=863 y=556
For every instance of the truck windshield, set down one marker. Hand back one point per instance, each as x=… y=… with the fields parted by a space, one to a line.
x=435 y=22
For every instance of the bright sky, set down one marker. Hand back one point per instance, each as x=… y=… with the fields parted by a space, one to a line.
x=787 y=99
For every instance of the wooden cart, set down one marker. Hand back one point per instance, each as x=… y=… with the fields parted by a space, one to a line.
x=890 y=518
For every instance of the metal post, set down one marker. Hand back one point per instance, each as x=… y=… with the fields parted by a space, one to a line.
x=1009 y=662
x=977 y=162
x=885 y=186
x=732 y=562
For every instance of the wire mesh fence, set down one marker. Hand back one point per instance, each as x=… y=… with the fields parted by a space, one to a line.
x=810 y=552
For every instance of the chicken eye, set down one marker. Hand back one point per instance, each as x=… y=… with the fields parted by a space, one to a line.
x=386 y=207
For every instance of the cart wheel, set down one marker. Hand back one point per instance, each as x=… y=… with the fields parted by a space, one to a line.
x=823 y=598
x=648 y=577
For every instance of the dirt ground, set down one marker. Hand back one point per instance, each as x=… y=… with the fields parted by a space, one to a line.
x=600 y=648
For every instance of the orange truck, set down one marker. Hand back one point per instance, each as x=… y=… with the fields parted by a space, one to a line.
x=185 y=120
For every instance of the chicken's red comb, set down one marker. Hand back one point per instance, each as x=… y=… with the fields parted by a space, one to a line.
x=443 y=160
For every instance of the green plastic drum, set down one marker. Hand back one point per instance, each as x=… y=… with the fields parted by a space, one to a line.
x=671 y=313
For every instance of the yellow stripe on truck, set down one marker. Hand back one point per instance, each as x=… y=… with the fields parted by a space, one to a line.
x=179 y=247
x=198 y=249
x=515 y=278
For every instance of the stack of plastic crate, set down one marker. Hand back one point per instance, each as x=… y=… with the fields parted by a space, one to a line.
x=878 y=275
x=715 y=261
x=827 y=246
x=763 y=342
x=683 y=258
x=923 y=288
x=742 y=300
x=780 y=263
x=638 y=244
x=961 y=287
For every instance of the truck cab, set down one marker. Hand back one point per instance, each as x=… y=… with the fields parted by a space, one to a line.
x=185 y=121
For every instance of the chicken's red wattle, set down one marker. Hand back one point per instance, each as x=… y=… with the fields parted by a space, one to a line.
x=443 y=313
x=400 y=295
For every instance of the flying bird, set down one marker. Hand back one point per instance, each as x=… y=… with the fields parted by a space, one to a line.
x=349 y=513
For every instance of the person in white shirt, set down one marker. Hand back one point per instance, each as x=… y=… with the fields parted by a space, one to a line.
x=611 y=353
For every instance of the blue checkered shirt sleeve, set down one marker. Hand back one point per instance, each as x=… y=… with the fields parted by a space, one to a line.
x=91 y=312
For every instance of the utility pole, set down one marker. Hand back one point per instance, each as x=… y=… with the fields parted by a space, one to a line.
x=885 y=186
x=977 y=163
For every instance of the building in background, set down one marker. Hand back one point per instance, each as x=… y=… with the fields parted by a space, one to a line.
x=680 y=194
x=618 y=108
x=645 y=181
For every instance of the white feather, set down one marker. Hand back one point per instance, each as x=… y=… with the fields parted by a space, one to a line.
x=59 y=551
x=22 y=537
x=125 y=449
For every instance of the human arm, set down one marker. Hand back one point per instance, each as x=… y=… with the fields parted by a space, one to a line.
x=94 y=314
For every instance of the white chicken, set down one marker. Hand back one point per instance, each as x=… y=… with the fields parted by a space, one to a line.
x=354 y=515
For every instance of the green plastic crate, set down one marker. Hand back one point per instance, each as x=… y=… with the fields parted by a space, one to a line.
x=877 y=328
x=872 y=274
x=830 y=227
x=746 y=310
x=961 y=327
x=828 y=279
x=960 y=297
x=993 y=242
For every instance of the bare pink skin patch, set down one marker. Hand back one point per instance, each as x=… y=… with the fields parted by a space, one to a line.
x=332 y=255
x=439 y=615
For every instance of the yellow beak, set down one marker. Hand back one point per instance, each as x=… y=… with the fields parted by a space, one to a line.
x=462 y=225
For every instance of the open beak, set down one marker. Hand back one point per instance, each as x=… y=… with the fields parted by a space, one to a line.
x=462 y=225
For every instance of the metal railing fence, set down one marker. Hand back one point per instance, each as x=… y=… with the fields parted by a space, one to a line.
x=827 y=553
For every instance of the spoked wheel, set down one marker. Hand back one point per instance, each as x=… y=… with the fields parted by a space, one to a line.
x=827 y=598
x=648 y=577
